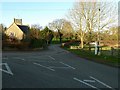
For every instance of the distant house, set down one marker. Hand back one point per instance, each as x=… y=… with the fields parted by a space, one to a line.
x=17 y=30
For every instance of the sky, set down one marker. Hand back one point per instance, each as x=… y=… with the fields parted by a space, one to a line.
x=40 y=13
x=31 y=12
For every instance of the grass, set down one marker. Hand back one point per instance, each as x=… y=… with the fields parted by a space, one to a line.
x=105 y=58
x=57 y=41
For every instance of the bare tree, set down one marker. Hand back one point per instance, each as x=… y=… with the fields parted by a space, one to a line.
x=90 y=16
x=36 y=27
x=62 y=26
x=67 y=30
x=78 y=19
x=35 y=31
x=56 y=25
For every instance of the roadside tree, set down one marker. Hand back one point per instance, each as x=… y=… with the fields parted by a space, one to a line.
x=87 y=17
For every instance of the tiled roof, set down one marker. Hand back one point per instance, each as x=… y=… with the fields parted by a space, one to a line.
x=24 y=28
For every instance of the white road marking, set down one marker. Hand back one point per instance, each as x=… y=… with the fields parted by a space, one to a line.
x=51 y=57
x=44 y=66
x=23 y=59
x=7 y=67
x=19 y=58
x=59 y=67
x=86 y=83
x=67 y=65
x=48 y=61
x=88 y=80
x=101 y=82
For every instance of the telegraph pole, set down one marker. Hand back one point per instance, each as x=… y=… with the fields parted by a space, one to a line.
x=98 y=41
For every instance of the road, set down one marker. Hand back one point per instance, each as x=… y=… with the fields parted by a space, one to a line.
x=55 y=68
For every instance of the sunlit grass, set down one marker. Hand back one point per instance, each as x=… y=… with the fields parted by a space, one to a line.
x=57 y=41
x=103 y=58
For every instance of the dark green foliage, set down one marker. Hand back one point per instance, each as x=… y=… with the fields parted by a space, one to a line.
x=37 y=38
x=47 y=34
x=32 y=40
x=37 y=43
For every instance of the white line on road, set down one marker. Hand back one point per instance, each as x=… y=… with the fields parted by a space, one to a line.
x=86 y=83
x=7 y=67
x=67 y=65
x=49 y=61
x=23 y=59
x=44 y=66
x=19 y=58
x=101 y=82
x=59 y=67
x=51 y=57
x=88 y=80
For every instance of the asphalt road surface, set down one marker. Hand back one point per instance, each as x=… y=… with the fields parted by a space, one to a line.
x=55 y=68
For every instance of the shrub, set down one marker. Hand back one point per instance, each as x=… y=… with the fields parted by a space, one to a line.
x=37 y=43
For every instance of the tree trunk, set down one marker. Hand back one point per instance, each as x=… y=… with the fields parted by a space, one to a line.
x=81 y=44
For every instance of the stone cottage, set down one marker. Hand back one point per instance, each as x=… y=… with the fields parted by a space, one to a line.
x=17 y=30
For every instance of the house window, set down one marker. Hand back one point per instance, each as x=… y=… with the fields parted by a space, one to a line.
x=12 y=35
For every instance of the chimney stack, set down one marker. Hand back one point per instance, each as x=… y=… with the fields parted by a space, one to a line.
x=18 y=21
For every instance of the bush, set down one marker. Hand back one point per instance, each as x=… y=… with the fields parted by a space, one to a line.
x=37 y=43
x=15 y=45
x=22 y=45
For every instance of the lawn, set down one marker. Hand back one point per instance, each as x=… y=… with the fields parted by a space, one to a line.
x=105 y=57
x=57 y=41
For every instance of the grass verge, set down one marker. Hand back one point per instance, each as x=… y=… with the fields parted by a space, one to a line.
x=104 y=59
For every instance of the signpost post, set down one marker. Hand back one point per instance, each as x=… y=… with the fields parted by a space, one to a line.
x=96 y=48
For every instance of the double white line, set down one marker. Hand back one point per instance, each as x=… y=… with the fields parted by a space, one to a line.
x=44 y=66
x=51 y=57
x=94 y=79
